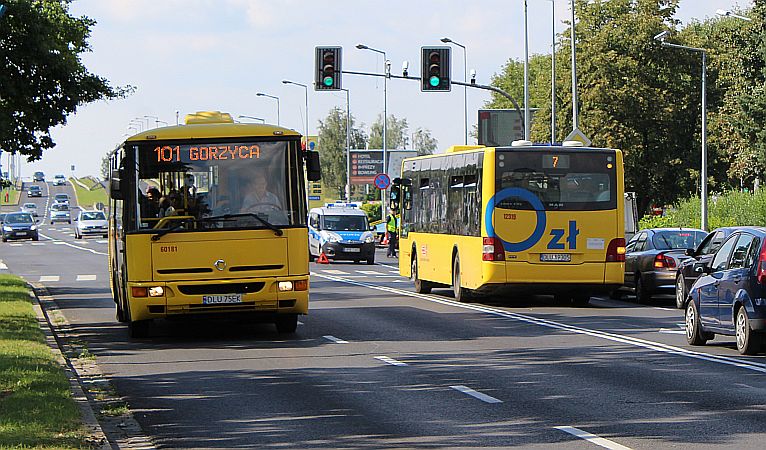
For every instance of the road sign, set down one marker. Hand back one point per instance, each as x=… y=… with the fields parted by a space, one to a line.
x=382 y=181
x=577 y=135
x=314 y=197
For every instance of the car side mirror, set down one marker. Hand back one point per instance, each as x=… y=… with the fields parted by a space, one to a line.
x=689 y=252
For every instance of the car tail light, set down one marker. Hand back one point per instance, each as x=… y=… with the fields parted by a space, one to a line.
x=615 y=252
x=761 y=277
x=493 y=250
x=663 y=261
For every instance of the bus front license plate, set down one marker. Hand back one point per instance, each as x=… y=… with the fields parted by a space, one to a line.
x=555 y=257
x=217 y=299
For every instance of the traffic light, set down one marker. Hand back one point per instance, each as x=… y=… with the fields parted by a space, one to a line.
x=327 y=69
x=435 y=69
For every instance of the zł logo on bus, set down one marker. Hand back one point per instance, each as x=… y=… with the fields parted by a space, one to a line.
x=557 y=234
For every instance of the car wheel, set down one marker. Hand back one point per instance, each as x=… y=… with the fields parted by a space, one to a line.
x=748 y=341
x=35 y=238
x=371 y=261
x=461 y=294
x=680 y=292
x=641 y=295
x=421 y=287
x=287 y=323
x=5 y=239
x=694 y=334
x=69 y=222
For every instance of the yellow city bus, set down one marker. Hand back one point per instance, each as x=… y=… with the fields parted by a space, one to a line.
x=207 y=219
x=507 y=220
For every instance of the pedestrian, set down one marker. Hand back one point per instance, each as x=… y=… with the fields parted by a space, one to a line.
x=392 y=233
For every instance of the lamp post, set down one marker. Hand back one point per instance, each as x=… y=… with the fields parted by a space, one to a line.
x=348 y=146
x=725 y=13
x=138 y=122
x=553 y=71
x=251 y=117
x=465 y=80
x=156 y=121
x=385 y=121
x=261 y=94
x=526 y=73
x=703 y=172
x=307 y=105
x=575 y=124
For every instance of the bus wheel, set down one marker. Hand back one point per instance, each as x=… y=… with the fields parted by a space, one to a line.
x=580 y=300
x=287 y=323
x=421 y=287
x=139 y=328
x=461 y=294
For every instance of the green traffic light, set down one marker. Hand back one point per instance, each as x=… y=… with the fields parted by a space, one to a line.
x=434 y=81
x=328 y=81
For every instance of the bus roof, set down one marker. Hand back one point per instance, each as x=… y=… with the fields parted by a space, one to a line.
x=211 y=124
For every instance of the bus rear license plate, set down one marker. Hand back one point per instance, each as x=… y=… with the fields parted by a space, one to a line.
x=352 y=250
x=555 y=257
x=217 y=299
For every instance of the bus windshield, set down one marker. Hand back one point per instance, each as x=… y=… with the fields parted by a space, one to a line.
x=571 y=181
x=228 y=183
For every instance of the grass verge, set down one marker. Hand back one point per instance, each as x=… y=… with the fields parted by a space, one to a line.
x=13 y=197
x=87 y=198
x=36 y=406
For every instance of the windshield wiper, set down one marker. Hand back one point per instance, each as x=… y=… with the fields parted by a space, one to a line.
x=277 y=231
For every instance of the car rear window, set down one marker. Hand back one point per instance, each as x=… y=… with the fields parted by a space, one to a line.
x=59 y=207
x=93 y=216
x=677 y=239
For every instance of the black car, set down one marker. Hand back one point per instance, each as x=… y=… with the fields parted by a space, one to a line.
x=34 y=191
x=38 y=176
x=651 y=258
x=19 y=226
x=730 y=296
x=689 y=269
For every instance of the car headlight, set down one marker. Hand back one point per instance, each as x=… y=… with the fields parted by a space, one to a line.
x=33 y=227
x=332 y=237
x=7 y=229
x=368 y=237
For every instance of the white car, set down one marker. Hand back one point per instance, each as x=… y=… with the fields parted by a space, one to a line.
x=30 y=208
x=61 y=198
x=59 y=180
x=90 y=223
x=59 y=212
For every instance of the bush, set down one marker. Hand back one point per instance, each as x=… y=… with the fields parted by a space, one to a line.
x=372 y=210
x=729 y=209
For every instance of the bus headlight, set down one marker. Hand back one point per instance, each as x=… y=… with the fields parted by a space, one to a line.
x=156 y=291
x=285 y=286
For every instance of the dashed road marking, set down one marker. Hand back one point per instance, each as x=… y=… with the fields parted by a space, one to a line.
x=16 y=244
x=58 y=243
x=37 y=244
x=49 y=278
x=476 y=394
x=336 y=340
x=391 y=361
x=592 y=438
x=86 y=277
x=368 y=272
x=335 y=272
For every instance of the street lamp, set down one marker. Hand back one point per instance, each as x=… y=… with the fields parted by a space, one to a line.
x=307 y=106
x=139 y=122
x=465 y=80
x=725 y=13
x=385 y=121
x=348 y=147
x=703 y=175
x=156 y=121
x=251 y=117
x=261 y=94
x=553 y=71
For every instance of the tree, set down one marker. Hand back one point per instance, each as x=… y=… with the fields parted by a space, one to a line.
x=105 y=167
x=332 y=148
x=44 y=79
x=423 y=143
x=396 y=133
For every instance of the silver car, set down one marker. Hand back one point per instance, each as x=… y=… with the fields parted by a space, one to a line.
x=91 y=223
x=29 y=208
x=59 y=212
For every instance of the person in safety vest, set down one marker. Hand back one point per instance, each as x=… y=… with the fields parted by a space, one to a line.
x=392 y=236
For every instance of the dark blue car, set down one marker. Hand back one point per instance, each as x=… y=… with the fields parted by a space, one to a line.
x=729 y=297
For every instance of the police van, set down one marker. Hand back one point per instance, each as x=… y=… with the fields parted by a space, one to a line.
x=341 y=232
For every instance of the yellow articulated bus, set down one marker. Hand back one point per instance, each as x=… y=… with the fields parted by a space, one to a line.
x=209 y=218
x=521 y=219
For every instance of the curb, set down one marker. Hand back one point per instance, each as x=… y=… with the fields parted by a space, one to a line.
x=90 y=388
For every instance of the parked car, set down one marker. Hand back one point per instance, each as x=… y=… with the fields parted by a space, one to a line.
x=59 y=180
x=59 y=212
x=90 y=222
x=30 y=208
x=19 y=225
x=728 y=298
x=34 y=191
x=690 y=269
x=38 y=176
x=61 y=198
x=651 y=258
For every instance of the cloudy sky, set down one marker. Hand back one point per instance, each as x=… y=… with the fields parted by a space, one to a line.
x=192 y=55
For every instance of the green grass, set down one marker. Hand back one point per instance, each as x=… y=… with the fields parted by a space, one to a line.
x=13 y=197
x=36 y=406
x=87 y=198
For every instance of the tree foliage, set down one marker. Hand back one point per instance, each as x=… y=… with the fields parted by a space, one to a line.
x=43 y=79
x=332 y=147
x=396 y=133
x=423 y=143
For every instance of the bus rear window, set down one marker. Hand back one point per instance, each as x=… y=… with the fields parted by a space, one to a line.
x=568 y=181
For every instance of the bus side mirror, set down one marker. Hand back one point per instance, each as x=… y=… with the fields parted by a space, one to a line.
x=115 y=190
x=313 y=171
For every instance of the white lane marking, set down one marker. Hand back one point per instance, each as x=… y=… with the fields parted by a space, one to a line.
x=476 y=394
x=86 y=277
x=592 y=438
x=391 y=361
x=389 y=266
x=65 y=229
x=37 y=244
x=394 y=271
x=336 y=340
x=368 y=272
x=2 y=265
x=58 y=243
x=101 y=241
x=667 y=331
x=77 y=247
x=650 y=345
x=16 y=244
x=49 y=278
x=335 y=272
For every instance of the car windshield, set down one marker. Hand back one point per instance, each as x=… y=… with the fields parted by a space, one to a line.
x=62 y=197
x=18 y=218
x=345 y=223
x=677 y=239
x=30 y=205
x=59 y=207
x=59 y=177
x=34 y=188
x=94 y=215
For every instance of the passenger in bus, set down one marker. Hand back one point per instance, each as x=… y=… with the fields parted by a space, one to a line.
x=151 y=207
x=167 y=207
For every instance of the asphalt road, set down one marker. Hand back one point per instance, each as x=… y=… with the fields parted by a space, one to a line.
x=375 y=365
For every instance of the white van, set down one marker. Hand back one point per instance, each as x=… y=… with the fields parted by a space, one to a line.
x=341 y=231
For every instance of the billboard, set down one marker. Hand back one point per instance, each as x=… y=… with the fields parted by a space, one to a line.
x=365 y=164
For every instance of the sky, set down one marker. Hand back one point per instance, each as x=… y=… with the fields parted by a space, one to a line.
x=184 y=56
